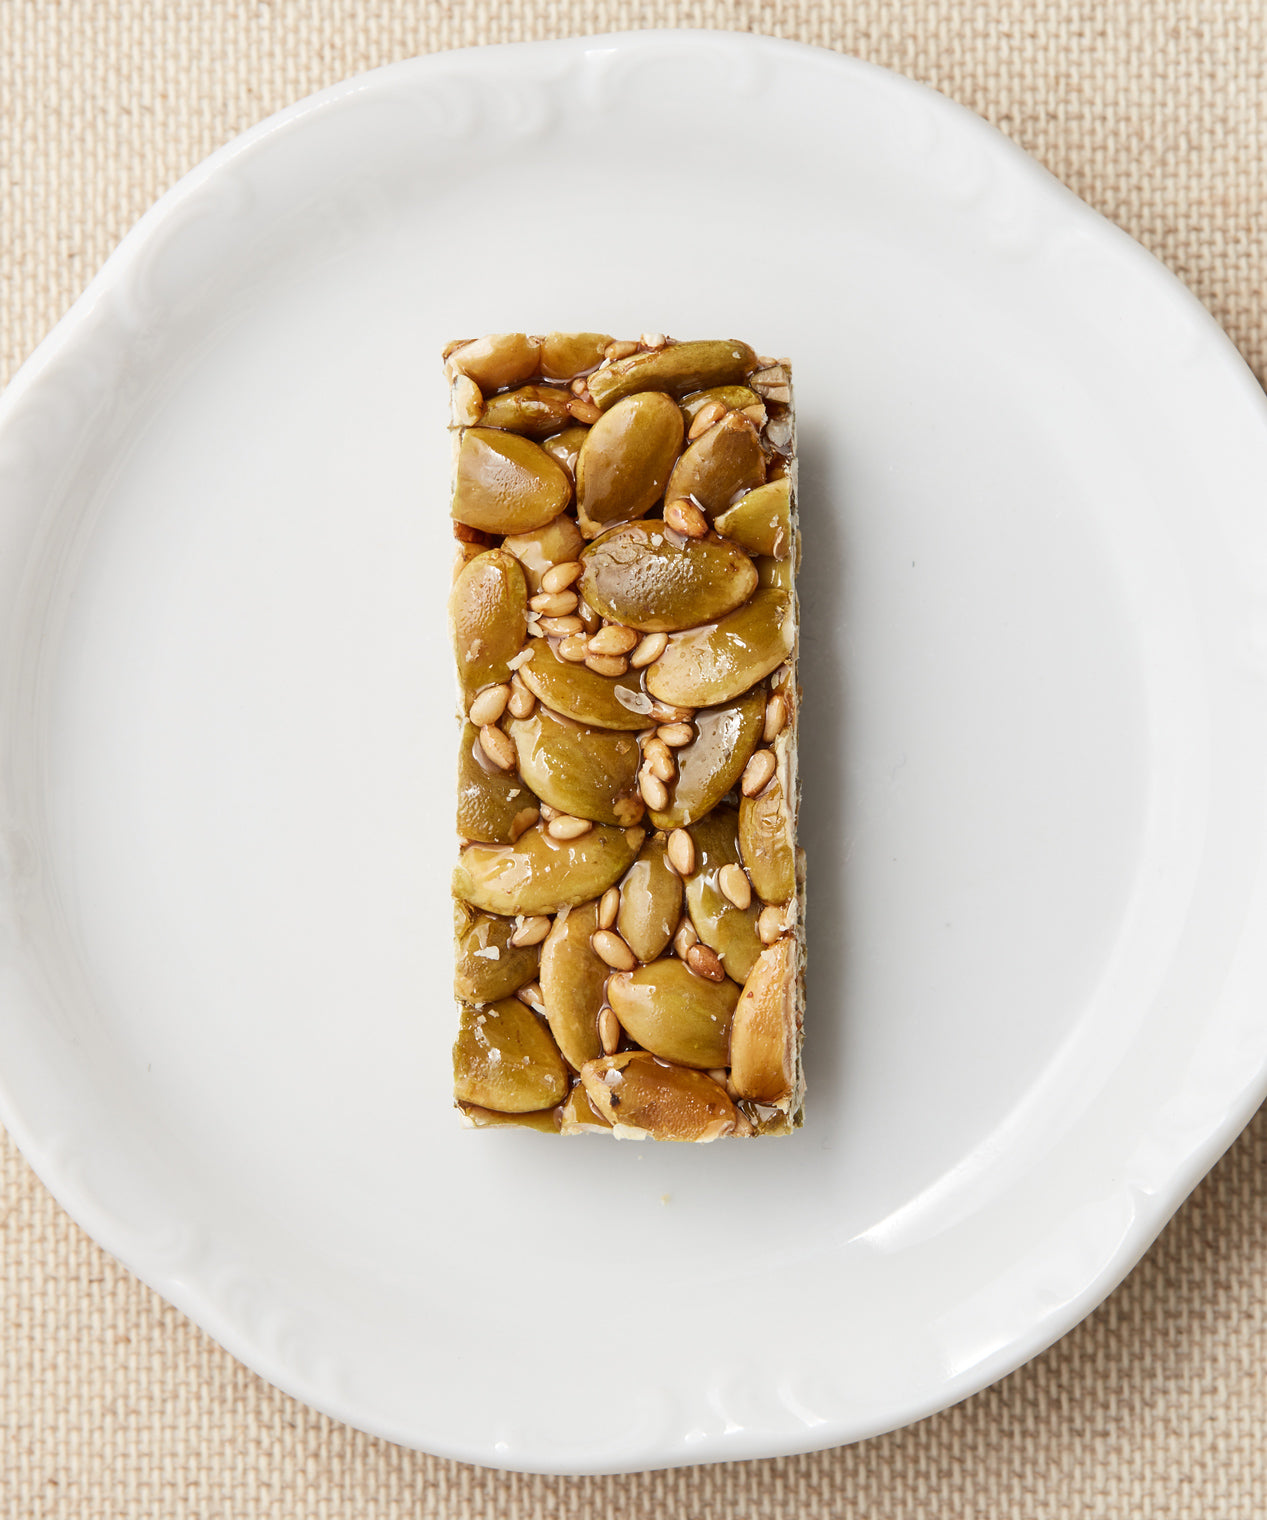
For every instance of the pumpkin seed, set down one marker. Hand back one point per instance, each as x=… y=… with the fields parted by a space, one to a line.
x=582 y=694
x=504 y=1059
x=507 y=484
x=490 y=800
x=675 y=1014
x=761 y=521
x=678 y=369
x=496 y=361
x=652 y=1098
x=763 y=1035
x=716 y=468
x=566 y=355
x=573 y=982
x=624 y=463
x=711 y=763
x=765 y=842
x=488 y=618
x=534 y=410
x=487 y=966
x=587 y=772
x=650 y=901
x=635 y=575
x=703 y=667
x=730 y=931
x=538 y=874
x=564 y=448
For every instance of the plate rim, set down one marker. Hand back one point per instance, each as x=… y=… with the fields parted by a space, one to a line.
x=1150 y=1213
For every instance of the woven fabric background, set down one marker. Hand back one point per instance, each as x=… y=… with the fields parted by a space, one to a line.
x=111 y=1404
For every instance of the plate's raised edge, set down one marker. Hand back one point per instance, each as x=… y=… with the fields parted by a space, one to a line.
x=1151 y=1208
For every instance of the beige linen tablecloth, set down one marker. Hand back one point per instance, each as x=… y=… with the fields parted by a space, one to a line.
x=112 y=1404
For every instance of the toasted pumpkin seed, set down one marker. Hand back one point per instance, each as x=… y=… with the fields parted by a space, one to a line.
x=541 y=875
x=582 y=694
x=573 y=983
x=488 y=617
x=564 y=355
x=711 y=762
x=765 y=842
x=534 y=410
x=564 y=447
x=673 y=1014
x=625 y=461
x=730 y=931
x=635 y=575
x=763 y=1034
x=657 y=1099
x=716 y=468
x=702 y=667
x=490 y=800
x=761 y=521
x=677 y=369
x=487 y=966
x=497 y=361
x=506 y=483
x=504 y=1059
x=586 y=772
x=650 y=901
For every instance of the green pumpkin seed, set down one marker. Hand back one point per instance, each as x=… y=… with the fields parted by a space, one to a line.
x=564 y=448
x=637 y=575
x=496 y=361
x=678 y=369
x=650 y=902
x=556 y=543
x=624 y=463
x=706 y=666
x=534 y=410
x=765 y=842
x=668 y=1010
x=504 y=1059
x=488 y=617
x=582 y=694
x=588 y=772
x=507 y=484
x=710 y=765
x=731 y=931
x=481 y=977
x=719 y=466
x=761 y=521
x=539 y=874
x=564 y=356
x=491 y=801
x=573 y=984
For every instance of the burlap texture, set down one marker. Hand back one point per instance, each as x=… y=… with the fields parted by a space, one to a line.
x=111 y=1404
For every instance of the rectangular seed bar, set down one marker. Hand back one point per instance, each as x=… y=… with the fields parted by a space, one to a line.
x=629 y=897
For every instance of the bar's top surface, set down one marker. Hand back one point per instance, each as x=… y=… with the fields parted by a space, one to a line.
x=629 y=937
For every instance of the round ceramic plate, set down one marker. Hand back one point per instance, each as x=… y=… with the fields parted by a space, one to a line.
x=1035 y=755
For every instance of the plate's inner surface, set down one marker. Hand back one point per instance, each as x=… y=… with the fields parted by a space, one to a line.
x=241 y=772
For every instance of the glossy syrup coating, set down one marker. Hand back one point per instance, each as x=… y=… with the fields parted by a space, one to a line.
x=628 y=891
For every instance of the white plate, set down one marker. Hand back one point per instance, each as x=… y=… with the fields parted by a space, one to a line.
x=1035 y=594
